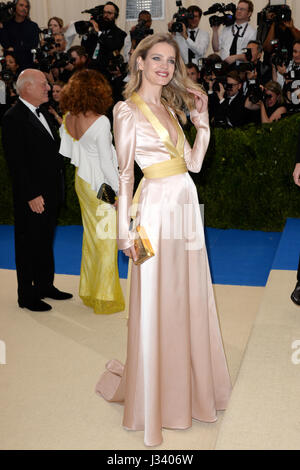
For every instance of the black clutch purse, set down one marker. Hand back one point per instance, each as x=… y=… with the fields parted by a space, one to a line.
x=106 y=194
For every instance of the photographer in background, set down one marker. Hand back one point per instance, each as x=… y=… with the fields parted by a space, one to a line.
x=61 y=67
x=9 y=74
x=56 y=25
x=271 y=105
x=283 y=67
x=192 y=41
x=107 y=39
x=288 y=77
x=230 y=111
x=78 y=58
x=252 y=63
x=278 y=21
x=21 y=35
x=53 y=106
x=193 y=72
x=233 y=39
x=137 y=33
x=212 y=73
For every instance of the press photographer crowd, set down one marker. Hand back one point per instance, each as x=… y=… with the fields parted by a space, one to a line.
x=252 y=76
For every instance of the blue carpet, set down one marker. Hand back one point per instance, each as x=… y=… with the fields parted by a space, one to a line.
x=237 y=257
x=287 y=255
x=240 y=257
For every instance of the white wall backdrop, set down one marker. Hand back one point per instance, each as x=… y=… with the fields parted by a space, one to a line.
x=70 y=10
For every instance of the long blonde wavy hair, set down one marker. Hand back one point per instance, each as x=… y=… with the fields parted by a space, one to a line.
x=174 y=94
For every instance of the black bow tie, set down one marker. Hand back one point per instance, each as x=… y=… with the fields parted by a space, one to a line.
x=38 y=111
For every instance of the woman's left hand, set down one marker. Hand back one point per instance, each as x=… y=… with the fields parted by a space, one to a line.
x=201 y=100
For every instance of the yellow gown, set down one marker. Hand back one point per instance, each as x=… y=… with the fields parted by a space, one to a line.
x=95 y=161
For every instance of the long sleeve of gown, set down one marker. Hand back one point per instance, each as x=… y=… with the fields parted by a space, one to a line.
x=194 y=156
x=107 y=155
x=125 y=141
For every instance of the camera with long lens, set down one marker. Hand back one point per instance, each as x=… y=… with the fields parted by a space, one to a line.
x=281 y=55
x=42 y=59
x=293 y=74
x=274 y=13
x=140 y=32
x=60 y=60
x=7 y=11
x=181 y=17
x=227 y=17
x=255 y=92
x=248 y=66
x=116 y=62
x=48 y=40
x=85 y=28
x=208 y=67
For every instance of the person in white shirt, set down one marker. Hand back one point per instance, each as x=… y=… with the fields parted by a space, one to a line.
x=192 y=41
x=233 y=39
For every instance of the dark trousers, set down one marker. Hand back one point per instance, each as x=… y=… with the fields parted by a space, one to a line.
x=34 y=235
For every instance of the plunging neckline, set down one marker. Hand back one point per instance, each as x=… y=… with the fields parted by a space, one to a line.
x=161 y=130
x=87 y=130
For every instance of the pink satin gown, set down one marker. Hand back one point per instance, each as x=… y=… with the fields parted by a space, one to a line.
x=176 y=369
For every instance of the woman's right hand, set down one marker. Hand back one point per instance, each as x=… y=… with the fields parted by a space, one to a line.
x=131 y=253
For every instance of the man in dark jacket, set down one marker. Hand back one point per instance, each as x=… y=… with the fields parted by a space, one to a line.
x=31 y=148
x=108 y=40
x=230 y=111
x=296 y=175
x=21 y=35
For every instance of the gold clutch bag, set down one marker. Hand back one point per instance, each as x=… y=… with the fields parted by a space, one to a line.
x=142 y=245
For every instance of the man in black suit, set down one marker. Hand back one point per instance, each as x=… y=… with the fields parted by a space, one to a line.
x=296 y=175
x=107 y=41
x=31 y=148
x=230 y=111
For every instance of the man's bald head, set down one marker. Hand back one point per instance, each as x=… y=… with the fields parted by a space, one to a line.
x=33 y=87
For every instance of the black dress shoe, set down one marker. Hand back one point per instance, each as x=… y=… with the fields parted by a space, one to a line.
x=296 y=294
x=56 y=294
x=35 y=305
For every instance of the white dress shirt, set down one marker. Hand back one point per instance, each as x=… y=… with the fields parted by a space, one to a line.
x=41 y=118
x=246 y=34
x=198 y=47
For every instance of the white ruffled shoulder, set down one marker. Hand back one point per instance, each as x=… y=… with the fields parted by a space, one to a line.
x=89 y=156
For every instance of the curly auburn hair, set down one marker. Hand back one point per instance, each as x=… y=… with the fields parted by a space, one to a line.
x=87 y=90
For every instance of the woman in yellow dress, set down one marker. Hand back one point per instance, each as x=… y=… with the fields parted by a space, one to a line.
x=86 y=139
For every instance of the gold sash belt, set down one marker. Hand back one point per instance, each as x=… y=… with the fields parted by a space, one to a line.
x=176 y=166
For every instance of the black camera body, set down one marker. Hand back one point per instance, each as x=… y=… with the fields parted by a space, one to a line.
x=84 y=28
x=42 y=59
x=228 y=14
x=293 y=74
x=140 y=32
x=208 y=67
x=255 y=93
x=280 y=13
x=116 y=62
x=181 y=17
x=281 y=55
x=61 y=60
x=97 y=15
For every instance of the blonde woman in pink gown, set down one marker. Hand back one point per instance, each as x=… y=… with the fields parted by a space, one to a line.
x=175 y=369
